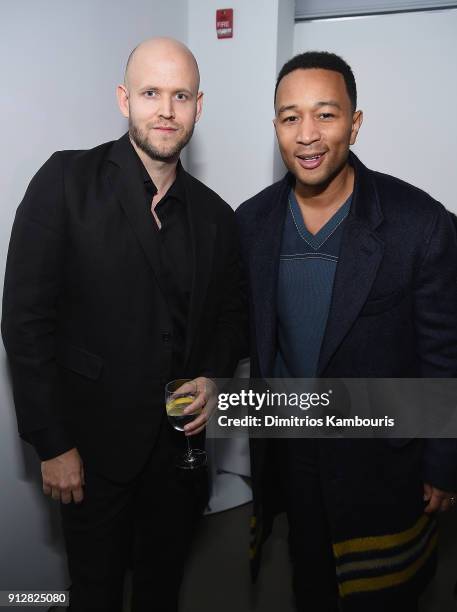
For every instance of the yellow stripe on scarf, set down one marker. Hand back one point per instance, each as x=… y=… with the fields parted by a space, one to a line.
x=388 y=580
x=358 y=545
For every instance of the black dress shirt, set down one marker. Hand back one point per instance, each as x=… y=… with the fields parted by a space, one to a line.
x=176 y=260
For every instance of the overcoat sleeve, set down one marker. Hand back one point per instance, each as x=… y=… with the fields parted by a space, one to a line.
x=436 y=330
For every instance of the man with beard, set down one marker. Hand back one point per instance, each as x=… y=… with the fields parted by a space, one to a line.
x=353 y=275
x=122 y=275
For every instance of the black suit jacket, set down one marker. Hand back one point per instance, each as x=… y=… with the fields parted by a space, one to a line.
x=86 y=323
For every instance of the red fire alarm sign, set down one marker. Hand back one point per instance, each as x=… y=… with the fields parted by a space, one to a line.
x=224 y=23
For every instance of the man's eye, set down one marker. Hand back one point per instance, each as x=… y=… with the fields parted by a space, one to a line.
x=326 y=116
x=181 y=96
x=150 y=93
x=290 y=119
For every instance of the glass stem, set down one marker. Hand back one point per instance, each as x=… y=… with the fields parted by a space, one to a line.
x=189 y=447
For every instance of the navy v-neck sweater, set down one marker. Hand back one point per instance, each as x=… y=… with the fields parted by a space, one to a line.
x=305 y=282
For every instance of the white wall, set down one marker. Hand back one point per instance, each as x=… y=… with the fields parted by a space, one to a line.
x=60 y=64
x=405 y=67
x=233 y=150
x=233 y=147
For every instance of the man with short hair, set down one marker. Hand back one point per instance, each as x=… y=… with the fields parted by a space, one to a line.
x=353 y=274
x=123 y=274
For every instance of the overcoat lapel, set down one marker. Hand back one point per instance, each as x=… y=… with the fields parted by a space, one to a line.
x=360 y=255
x=264 y=276
x=358 y=262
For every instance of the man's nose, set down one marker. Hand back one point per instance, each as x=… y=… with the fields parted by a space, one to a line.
x=309 y=131
x=166 y=108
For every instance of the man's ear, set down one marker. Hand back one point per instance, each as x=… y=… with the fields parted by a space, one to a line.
x=123 y=100
x=199 y=105
x=357 y=120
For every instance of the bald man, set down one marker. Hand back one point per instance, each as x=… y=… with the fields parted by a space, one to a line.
x=122 y=275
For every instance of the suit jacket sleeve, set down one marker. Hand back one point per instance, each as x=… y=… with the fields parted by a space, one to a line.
x=30 y=302
x=436 y=329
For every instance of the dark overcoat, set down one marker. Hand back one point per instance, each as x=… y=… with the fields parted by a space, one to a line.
x=393 y=314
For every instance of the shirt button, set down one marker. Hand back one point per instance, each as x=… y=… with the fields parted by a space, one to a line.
x=166 y=337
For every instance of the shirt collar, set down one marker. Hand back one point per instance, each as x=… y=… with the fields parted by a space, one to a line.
x=176 y=190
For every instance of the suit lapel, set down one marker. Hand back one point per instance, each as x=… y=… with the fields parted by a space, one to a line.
x=264 y=277
x=203 y=240
x=360 y=255
x=128 y=184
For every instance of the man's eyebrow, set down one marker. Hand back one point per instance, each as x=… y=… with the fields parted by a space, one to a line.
x=283 y=109
x=175 y=91
x=328 y=103
x=288 y=107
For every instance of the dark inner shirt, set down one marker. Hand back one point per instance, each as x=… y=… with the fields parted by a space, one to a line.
x=175 y=260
